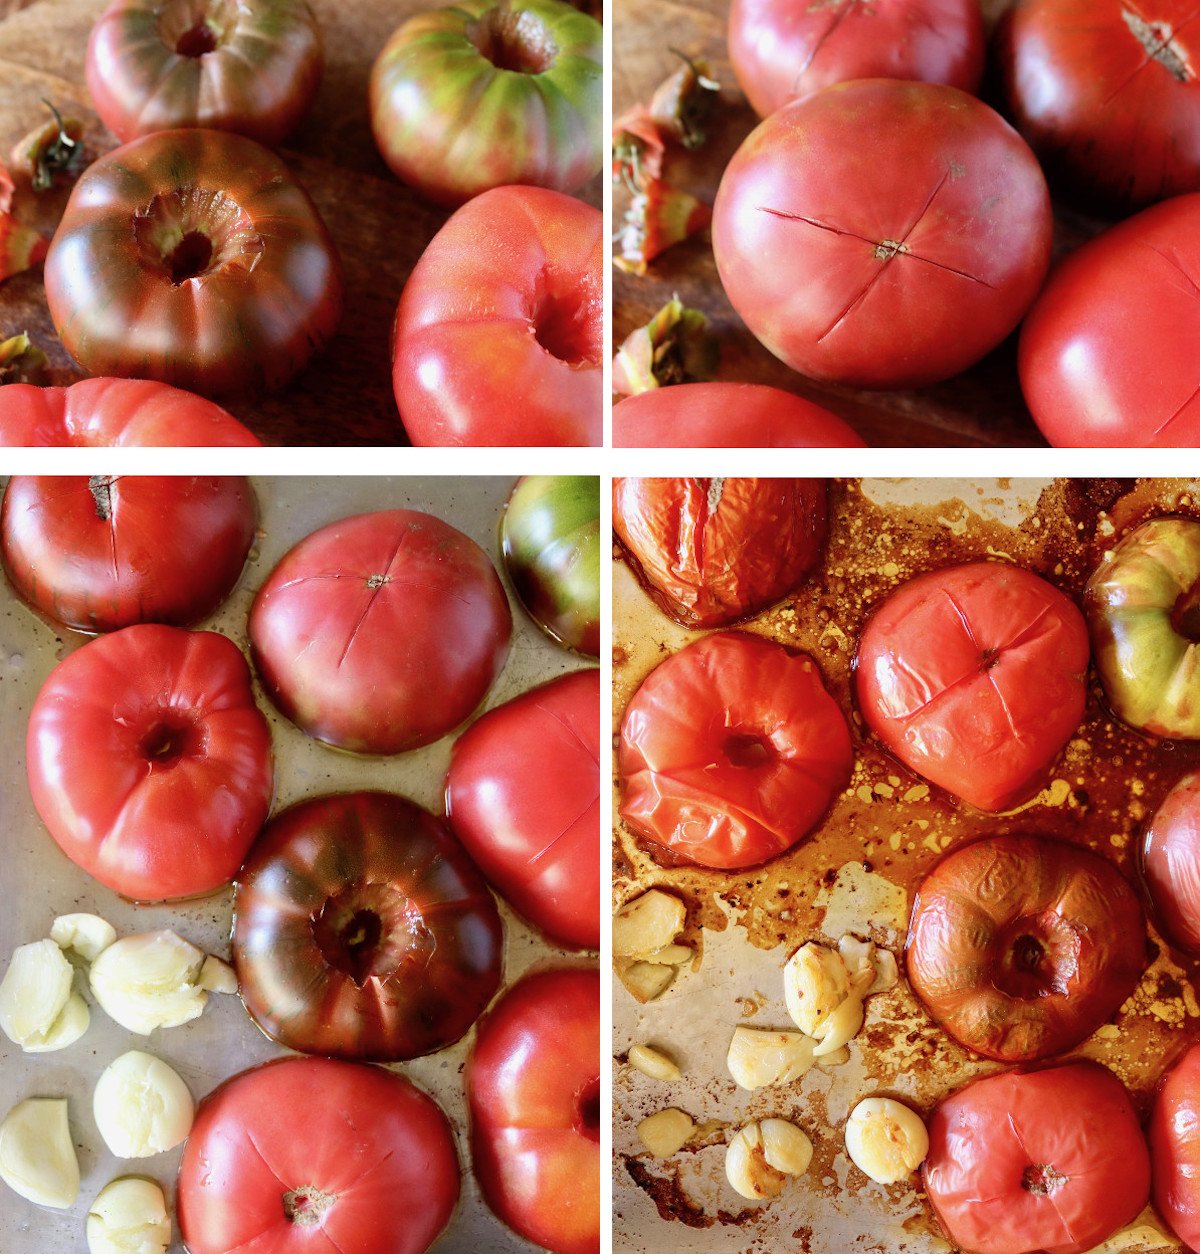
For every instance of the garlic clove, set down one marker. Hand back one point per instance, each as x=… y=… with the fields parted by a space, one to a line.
x=842 y=1026
x=88 y=935
x=34 y=991
x=37 y=1156
x=654 y=1063
x=666 y=1132
x=646 y=980
x=129 y=1216
x=71 y=1024
x=141 y=1105
x=670 y=956
x=815 y=983
x=885 y=1139
x=887 y=974
x=646 y=924
x=217 y=976
x=758 y=1057
x=148 y=981
x=762 y=1156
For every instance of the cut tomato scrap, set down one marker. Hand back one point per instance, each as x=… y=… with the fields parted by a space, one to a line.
x=657 y=217
x=51 y=154
x=21 y=247
x=675 y=346
x=21 y=361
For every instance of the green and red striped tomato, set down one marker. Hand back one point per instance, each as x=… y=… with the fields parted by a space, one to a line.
x=482 y=94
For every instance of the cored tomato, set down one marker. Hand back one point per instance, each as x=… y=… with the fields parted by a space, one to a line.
x=1171 y=865
x=712 y=551
x=894 y=263
x=177 y=776
x=975 y=677
x=499 y=337
x=104 y=552
x=523 y=795
x=533 y=1084
x=313 y=1156
x=1175 y=1148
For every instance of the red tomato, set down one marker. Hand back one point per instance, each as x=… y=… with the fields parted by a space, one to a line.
x=731 y=751
x=894 y=263
x=781 y=50
x=114 y=413
x=313 y=1156
x=381 y=632
x=523 y=795
x=1175 y=1148
x=177 y=778
x=193 y=257
x=727 y=415
x=1171 y=865
x=251 y=68
x=533 y=1084
x=712 y=551
x=975 y=677
x=101 y=553
x=499 y=337
x=362 y=930
x=1093 y=376
x=1052 y=1161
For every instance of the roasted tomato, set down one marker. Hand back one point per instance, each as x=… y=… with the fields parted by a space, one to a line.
x=308 y=1155
x=780 y=51
x=523 y=795
x=533 y=1084
x=1175 y=1148
x=193 y=257
x=499 y=337
x=975 y=677
x=712 y=551
x=178 y=775
x=381 y=632
x=362 y=930
x=890 y=264
x=731 y=751
x=1022 y=947
x=114 y=413
x=1050 y=1161
x=101 y=553
x=482 y=94
x=250 y=66
x=1171 y=866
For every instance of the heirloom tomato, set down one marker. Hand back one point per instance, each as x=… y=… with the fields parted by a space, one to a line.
x=1171 y=865
x=1175 y=1148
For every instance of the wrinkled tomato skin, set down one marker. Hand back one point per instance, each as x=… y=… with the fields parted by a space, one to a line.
x=713 y=551
x=523 y=795
x=1094 y=377
x=1174 y=1133
x=1171 y=865
x=870 y=264
x=533 y=1086
x=975 y=677
x=373 y=1153
x=988 y=1141
x=499 y=335
x=727 y=415
x=102 y=553
x=781 y=51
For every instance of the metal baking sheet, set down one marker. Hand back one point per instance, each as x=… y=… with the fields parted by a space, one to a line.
x=37 y=882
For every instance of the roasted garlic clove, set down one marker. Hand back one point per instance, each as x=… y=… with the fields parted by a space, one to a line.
x=758 y=1057
x=142 y=1107
x=129 y=1216
x=885 y=1139
x=666 y=1132
x=37 y=1156
x=763 y=1155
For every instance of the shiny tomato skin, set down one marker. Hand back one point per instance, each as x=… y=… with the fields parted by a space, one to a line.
x=1174 y=1134
x=102 y=553
x=499 y=335
x=727 y=415
x=1171 y=865
x=134 y=293
x=892 y=264
x=523 y=795
x=1094 y=377
x=381 y=632
x=533 y=1086
x=782 y=50
x=257 y=74
x=178 y=775
x=991 y=1137
x=975 y=677
x=361 y=1150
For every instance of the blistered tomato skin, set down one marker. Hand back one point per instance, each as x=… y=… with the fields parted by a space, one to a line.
x=1175 y=1148
x=1171 y=863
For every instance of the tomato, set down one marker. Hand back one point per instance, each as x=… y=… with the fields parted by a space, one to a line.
x=523 y=795
x=1174 y=1133
x=533 y=1085
x=731 y=751
x=894 y=263
x=101 y=553
x=177 y=776
x=114 y=413
x=1091 y=375
x=252 y=66
x=1171 y=863
x=193 y=257
x=480 y=95
x=499 y=337
x=1051 y=1161
x=712 y=551
x=1021 y=947
x=975 y=677
x=1105 y=91
x=313 y=1156
x=727 y=415
x=781 y=50
x=381 y=632
x=550 y=536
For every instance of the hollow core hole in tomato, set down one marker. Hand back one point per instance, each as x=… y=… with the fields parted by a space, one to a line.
x=190 y=257
x=587 y=1110
x=307 y=1205
x=1185 y=614
x=1039 y=956
x=561 y=327
x=514 y=40
x=197 y=41
x=748 y=749
x=194 y=28
x=191 y=232
x=371 y=930
x=170 y=739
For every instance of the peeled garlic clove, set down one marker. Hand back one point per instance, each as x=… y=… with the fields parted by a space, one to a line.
x=835 y=1058
x=37 y=1157
x=70 y=1025
x=887 y=975
x=670 y=956
x=646 y=924
x=646 y=980
x=129 y=1216
x=858 y=955
x=815 y=983
x=758 y=1057
x=148 y=981
x=653 y=1063
x=666 y=1132
x=87 y=934
x=34 y=991
x=763 y=1155
x=885 y=1139
x=842 y=1026
x=217 y=976
x=142 y=1107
